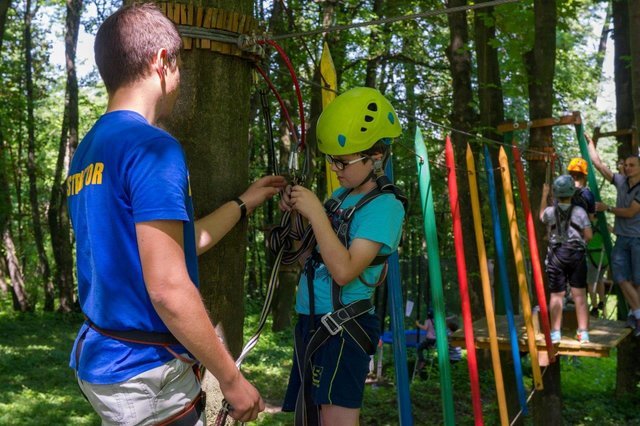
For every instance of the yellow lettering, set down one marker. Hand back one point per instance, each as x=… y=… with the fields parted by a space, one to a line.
x=68 y=187
x=87 y=173
x=97 y=174
x=79 y=183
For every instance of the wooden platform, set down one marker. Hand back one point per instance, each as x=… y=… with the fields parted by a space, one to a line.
x=604 y=335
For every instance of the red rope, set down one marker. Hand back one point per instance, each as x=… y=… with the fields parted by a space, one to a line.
x=285 y=111
x=296 y=84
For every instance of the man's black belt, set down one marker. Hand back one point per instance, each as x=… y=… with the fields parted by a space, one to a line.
x=137 y=336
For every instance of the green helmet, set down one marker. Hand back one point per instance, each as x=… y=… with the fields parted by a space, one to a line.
x=355 y=121
x=563 y=186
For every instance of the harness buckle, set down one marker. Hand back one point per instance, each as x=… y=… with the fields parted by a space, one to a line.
x=330 y=324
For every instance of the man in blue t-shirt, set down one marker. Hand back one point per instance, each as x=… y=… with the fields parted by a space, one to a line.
x=137 y=241
x=625 y=257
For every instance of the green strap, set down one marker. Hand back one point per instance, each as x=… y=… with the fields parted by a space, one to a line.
x=435 y=277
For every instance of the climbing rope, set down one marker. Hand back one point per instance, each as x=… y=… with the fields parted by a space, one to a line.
x=515 y=419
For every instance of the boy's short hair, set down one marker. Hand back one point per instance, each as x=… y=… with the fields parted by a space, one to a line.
x=127 y=41
x=380 y=147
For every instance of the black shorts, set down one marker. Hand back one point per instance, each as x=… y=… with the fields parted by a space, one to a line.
x=566 y=266
x=340 y=366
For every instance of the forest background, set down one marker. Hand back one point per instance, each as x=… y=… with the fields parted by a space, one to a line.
x=451 y=73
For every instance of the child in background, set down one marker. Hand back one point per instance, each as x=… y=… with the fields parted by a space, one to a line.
x=569 y=232
x=455 y=352
x=429 y=340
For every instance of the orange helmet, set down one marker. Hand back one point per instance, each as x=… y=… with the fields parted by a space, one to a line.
x=578 y=165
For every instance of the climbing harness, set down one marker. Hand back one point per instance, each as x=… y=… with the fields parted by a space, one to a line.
x=191 y=413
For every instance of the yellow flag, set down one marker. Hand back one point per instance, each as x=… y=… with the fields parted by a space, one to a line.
x=329 y=81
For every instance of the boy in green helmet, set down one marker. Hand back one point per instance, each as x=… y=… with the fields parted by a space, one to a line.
x=355 y=231
x=569 y=233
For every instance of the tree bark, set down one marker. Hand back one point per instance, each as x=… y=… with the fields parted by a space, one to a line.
x=622 y=75
x=4 y=8
x=42 y=268
x=19 y=296
x=463 y=118
x=627 y=373
x=59 y=224
x=5 y=198
x=540 y=64
x=634 y=44
x=214 y=100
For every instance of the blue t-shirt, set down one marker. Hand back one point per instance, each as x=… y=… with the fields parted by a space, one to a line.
x=380 y=221
x=125 y=171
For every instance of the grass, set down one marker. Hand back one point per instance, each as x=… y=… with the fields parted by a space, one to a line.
x=39 y=388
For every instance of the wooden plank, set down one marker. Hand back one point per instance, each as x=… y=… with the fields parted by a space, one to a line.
x=219 y=21
x=190 y=15
x=206 y=44
x=163 y=8
x=183 y=14
x=176 y=14
x=604 y=335
x=574 y=118
x=241 y=23
x=199 y=16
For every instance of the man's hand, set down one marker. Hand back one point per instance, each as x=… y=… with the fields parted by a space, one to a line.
x=601 y=207
x=261 y=190
x=244 y=399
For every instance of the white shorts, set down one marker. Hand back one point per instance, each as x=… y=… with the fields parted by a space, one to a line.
x=145 y=399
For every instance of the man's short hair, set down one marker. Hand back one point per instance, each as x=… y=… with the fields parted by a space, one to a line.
x=128 y=40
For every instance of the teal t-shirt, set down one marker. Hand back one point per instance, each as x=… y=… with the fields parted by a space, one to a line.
x=380 y=221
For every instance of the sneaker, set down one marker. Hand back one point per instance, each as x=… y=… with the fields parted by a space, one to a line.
x=582 y=336
x=631 y=322
x=594 y=312
x=556 y=336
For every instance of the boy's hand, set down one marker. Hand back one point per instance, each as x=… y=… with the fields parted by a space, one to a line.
x=285 y=199
x=305 y=202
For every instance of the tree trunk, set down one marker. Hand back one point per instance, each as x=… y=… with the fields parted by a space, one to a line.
x=211 y=120
x=5 y=198
x=4 y=8
x=59 y=224
x=19 y=296
x=622 y=77
x=627 y=373
x=540 y=64
x=42 y=269
x=462 y=118
x=634 y=44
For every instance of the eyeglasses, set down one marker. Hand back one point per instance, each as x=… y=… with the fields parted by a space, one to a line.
x=340 y=165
